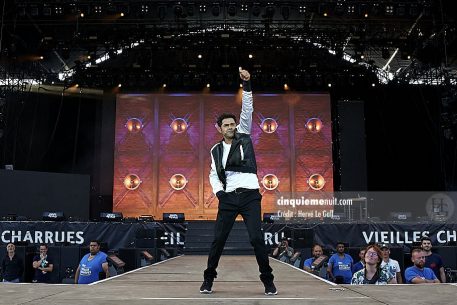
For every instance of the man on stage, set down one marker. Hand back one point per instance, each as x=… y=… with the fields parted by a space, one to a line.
x=233 y=177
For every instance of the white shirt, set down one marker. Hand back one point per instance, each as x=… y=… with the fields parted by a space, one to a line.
x=236 y=179
x=392 y=266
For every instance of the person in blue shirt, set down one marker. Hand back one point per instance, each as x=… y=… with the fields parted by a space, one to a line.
x=317 y=252
x=339 y=268
x=91 y=265
x=418 y=274
x=360 y=264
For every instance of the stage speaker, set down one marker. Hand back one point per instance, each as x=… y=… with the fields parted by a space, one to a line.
x=146 y=218
x=173 y=217
x=53 y=216
x=270 y=217
x=302 y=238
x=352 y=147
x=115 y=216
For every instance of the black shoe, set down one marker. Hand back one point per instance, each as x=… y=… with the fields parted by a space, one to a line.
x=270 y=288
x=206 y=287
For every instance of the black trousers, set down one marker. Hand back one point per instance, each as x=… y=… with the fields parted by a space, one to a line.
x=230 y=206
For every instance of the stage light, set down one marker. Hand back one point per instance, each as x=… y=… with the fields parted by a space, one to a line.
x=77 y=85
x=115 y=261
x=146 y=218
x=162 y=12
x=122 y=14
x=202 y=8
x=269 y=11
x=316 y=182
x=98 y=9
x=179 y=125
x=314 y=125
x=144 y=8
x=173 y=217
x=270 y=182
x=41 y=57
x=286 y=87
x=389 y=10
x=362 y=56
x=164 y=85
x=373 y=85
x=270 y=217
x=120 y=85
x=108 y=216
x=269 y=125
x=216 y=10
x=81 y=15
x=232 y=9
x=241 y=85
x=325 y=14
x=208 y=85
x=200 y=56
x=179 y=11
x=250 y=56
x=132 y=182
x=244 y=7
x=329 y=85
x=366 y=15
x=53 y=216
x=256 y=10
x=302 y=9
x=178 y=182
x=134 y=125
x=88 y=57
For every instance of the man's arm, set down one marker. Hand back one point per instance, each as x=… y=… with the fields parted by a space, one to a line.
x=329 y=269
x=247 y=107
x=399 y=278
x=216 y=184
x=106 y=269
x=36 y=264
x=77 y=275
x=442 y=275
x=420 y=280
x=49 y=268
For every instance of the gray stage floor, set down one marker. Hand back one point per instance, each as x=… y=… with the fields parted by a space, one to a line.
x=177 y=281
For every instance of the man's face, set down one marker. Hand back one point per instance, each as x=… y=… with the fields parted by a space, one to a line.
x=317 y=251
x=94 y=248
x=340 y=248
x=43 y=250
x=426 y=245
x=385 y=253
x=418 y=259
x=10 y=248
x=362 y=254
x=228 y=128
x=371 y=257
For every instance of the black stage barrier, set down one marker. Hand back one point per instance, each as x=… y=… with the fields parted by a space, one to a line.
x=68 y=240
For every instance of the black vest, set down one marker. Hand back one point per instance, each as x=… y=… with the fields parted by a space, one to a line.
x=241 y=143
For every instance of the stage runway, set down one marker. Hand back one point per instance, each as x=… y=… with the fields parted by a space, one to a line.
x=177 y=281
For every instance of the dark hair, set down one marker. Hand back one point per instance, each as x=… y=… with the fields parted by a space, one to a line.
x=317 y=245
x=225 y=116
x=426 y=238
x=44 y=245
x=95 y=241
x=340 y=243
